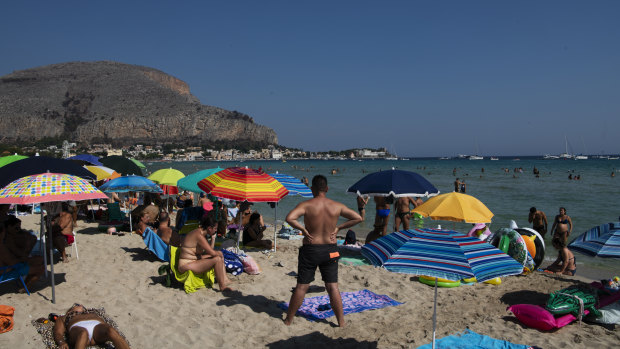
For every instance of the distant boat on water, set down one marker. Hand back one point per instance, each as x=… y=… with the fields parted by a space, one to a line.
x=494 y=158
x=445 y=158
x=475 y=157
x=550 y=157
x=581 y=157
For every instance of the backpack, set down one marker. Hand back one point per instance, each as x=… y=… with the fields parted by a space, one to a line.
x=350 y=238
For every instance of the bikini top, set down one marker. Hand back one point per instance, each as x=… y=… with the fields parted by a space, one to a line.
x=565 y=221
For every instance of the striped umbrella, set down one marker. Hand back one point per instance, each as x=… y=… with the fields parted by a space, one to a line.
x=242 y=183
x=602 y=241
x=294 y=185
x=441 y=254
x=102 y=172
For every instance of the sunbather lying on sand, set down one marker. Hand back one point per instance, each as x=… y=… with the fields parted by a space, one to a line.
x=83 y=328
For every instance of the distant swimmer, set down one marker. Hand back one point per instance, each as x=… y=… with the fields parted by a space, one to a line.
x=538 y=220
x=457 y=185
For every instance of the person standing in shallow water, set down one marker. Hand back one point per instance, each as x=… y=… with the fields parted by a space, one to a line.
x=562 y=225
x=319 y=247
x=538 y=220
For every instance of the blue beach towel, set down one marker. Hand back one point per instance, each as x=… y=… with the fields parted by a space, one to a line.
x=156 y=245
x=472 y=340
x=352 y=302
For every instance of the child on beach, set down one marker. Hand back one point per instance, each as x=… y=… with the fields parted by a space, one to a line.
x=565 y=264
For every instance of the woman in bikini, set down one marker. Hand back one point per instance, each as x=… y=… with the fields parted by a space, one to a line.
x=562 y=225
x=198 y=255
x=84 y=327
x=565 y=264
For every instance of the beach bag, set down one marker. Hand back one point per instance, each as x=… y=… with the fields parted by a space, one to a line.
x=350 y=238
x=232 y=262
x=6 y=318
x=249 y=265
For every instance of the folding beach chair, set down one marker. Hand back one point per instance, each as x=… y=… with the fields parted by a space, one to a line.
x=15 y=272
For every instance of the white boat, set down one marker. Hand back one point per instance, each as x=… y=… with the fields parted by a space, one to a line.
x=550 y=157
x=613 y=158
x=445 y=158
x=475 y=157
x=494 y=158
x=565 y=155
x=581 y=157
x=391 y=158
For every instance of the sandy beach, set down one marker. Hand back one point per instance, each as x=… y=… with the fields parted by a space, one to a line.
x=117 y=273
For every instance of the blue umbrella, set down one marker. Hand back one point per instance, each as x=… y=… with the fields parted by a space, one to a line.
x=88 y=158
x=294 y=185
x=441 y=254
x=130 y=183
x=190 y=181
x=394 y=182
x=602 y=241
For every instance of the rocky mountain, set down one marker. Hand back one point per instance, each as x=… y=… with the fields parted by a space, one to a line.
x=94 y=102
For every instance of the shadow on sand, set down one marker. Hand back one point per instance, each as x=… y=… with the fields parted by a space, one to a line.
x=141 y=254
x=319 y=340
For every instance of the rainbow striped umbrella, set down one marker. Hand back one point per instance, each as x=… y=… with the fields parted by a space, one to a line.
x=242 y=183
x=47 y=187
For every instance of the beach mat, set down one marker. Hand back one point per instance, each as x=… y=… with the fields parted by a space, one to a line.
x=352 y=302
x=354 y=260
x=471 y=339
x=46 y=331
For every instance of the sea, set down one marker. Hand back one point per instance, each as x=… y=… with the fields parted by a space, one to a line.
x=507 y=186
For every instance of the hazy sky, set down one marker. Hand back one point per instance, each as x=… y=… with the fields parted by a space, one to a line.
x=421 y=78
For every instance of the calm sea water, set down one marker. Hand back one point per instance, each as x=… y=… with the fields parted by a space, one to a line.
x=590 y=201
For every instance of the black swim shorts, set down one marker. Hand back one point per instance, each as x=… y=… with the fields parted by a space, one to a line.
x=323 y=256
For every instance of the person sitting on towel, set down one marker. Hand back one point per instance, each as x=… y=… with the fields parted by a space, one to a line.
x=84 y=328
x=253 y=233
x=164 y=231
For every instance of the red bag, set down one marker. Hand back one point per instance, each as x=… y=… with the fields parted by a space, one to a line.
x=6 y=318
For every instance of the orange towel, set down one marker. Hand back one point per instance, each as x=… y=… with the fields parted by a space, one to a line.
x=6 y=318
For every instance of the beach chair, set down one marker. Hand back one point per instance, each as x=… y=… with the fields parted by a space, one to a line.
x=116 y=218
x=191 y=281
x=15 y=272
x=74 y=246
x=156 y=245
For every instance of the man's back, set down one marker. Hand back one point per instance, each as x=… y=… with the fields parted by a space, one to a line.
x=320 y=218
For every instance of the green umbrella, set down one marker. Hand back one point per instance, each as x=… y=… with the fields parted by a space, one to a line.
x=121 y=165
x=190 y=181
x=5 y=160
x=141 y=165
x=166 y=176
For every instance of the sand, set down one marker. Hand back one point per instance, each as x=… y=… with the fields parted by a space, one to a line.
x=117 y=273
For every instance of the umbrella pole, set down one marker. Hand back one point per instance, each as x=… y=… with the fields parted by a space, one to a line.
x=51 y=247
x=42 y=241
x=275 y=228
x=435 y=314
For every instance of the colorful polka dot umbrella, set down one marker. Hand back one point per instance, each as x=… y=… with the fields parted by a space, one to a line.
x=47 y=187
x=240 y=183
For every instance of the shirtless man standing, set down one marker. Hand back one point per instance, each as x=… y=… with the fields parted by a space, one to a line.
x=319 y=246
x=403 y=210
x=538 y=220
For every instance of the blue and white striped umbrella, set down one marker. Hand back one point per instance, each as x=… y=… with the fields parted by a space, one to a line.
x=439 y=253
x=293 y=184
x=602 y=241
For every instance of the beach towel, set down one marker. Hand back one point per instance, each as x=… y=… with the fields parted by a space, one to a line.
x=471 y=339
x=46 y=330
x=156 y=245
x=233 y=264
x=6 y=318
x=191 y=282
x=352 y=302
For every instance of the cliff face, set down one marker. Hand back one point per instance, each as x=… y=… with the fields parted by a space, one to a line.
x=91 y=102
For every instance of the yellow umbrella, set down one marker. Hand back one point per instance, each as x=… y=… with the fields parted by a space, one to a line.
x=455 y=207
x=102 y=172
x=166 y=176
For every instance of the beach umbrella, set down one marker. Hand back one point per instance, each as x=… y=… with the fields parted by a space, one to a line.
x=294 y=185
x=602 y=241
x=102 y=172
x=5 y=160
x=455 y=207
x=244 y=184
x=41 y=164
x=48 y=187
x=190 y=182
x=166 y=176
x=138 y=163
x=397 y=183
x=121 y=165
x=441 y=254
x=90 y=159
x=130 y=183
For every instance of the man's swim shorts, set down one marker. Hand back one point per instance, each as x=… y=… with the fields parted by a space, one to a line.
x=383 y=213
x=323 y=256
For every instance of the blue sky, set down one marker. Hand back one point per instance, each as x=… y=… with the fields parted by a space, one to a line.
x=421 y=78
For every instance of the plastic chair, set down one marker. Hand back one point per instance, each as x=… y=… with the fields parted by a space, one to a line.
x=17 y=273
x=74 y=246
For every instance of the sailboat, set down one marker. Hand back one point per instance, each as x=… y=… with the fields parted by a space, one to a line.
x=565 y=154
x=581 y=156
